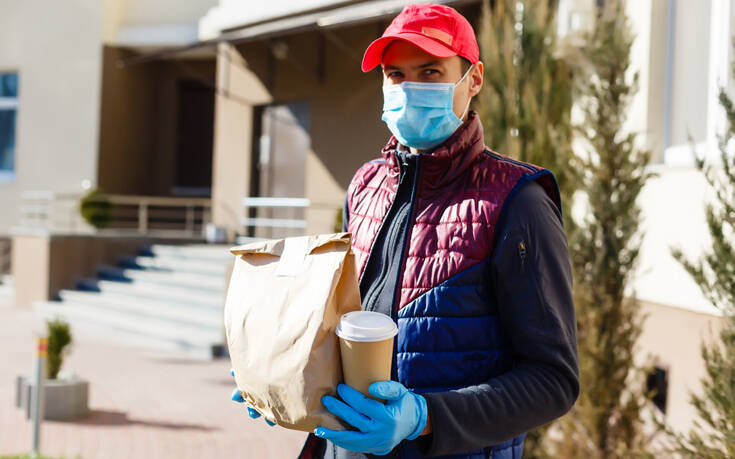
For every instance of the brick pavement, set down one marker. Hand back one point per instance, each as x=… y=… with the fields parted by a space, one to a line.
x=143 y=404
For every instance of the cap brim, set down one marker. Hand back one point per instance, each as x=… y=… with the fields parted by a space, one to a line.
x=374 y=53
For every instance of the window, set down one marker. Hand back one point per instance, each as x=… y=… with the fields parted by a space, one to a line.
x=8 y=112
x=657 y=384
x=697 y=64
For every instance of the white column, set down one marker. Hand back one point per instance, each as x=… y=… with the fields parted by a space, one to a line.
x=719 y=66
x=639 y=15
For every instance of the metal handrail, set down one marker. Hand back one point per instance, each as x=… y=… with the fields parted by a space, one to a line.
x=252 y=201
x=274 y=202
x=283 y=226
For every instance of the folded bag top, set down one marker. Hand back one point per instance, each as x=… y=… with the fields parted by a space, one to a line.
x=276 y=246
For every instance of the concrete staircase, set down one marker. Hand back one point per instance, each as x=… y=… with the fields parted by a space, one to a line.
x=167 y=298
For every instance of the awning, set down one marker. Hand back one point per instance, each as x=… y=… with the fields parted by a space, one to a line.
x=353 y=14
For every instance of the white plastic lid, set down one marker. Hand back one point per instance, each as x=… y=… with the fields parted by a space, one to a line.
x=366 y=326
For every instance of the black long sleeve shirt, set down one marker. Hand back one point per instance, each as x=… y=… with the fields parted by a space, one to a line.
x=532 y=278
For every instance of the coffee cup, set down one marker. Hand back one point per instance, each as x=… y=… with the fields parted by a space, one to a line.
x=366 y=343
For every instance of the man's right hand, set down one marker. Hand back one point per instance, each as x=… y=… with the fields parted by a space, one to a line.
x=237 y=397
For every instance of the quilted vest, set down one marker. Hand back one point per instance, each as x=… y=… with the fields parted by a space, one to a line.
x=449 y=332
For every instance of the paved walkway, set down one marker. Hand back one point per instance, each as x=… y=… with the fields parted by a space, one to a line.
x=143 y=404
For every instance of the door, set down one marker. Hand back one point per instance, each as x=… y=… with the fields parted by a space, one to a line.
x=194 y=137
x=280 y=163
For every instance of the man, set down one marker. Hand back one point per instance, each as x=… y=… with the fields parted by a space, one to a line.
x=465 y=249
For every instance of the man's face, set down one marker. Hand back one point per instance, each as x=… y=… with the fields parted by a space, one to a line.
x=403 y=61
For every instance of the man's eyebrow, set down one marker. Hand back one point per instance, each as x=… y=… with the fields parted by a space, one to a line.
x=428 y=64
x=422 y=66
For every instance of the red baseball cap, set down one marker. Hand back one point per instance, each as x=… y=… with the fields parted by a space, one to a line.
x=437 y=29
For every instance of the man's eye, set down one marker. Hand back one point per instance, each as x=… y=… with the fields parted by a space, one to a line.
x=430 y=72
x=395 y=75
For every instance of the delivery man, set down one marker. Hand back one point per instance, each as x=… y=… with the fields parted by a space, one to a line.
x=464 y=248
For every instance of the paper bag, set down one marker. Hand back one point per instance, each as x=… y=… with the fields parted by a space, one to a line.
x=284 y=301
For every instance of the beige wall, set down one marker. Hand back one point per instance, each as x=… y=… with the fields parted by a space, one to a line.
x=55 y=48
x=152 y=21
x=138 y=122
x=128 y=122
x=165 y=11
x=238 y=90
x=672 y=337
x=29 y=268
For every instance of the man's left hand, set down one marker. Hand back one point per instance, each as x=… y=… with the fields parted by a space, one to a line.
x=382 y=426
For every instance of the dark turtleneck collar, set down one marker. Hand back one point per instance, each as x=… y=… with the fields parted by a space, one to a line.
x=448 y=160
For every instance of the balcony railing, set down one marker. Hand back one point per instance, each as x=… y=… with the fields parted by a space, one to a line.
x=146 y=215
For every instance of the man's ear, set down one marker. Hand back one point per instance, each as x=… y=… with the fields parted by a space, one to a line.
x=476 y=77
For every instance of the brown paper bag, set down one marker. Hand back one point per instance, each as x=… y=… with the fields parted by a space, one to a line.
x=284 y=301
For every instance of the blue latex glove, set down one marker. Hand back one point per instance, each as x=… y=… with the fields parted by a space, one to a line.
x=237 y=397
x=382 y=426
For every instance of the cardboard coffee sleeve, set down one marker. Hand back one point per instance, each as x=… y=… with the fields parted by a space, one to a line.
x=366 y=342
x=284 y=302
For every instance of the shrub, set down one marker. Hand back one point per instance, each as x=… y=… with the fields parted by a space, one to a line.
x=59 y=337
x=96 y=209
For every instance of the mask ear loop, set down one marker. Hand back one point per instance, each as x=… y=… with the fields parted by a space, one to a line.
x=464 y=76
x=467 y=107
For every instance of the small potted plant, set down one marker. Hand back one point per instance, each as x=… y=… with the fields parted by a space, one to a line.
x=65 y=396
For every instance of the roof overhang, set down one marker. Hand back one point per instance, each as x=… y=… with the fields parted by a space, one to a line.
x=341 y=16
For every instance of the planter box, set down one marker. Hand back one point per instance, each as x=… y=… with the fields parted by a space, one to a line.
x=63 y=398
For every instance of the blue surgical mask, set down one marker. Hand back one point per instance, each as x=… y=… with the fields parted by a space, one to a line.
x=420 y=115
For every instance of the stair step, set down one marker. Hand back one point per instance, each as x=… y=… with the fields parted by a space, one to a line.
x=196 y=317
x=146 y=252
x=113 y=273
x=204 y=252
x=181 y=336
x=128 y=262
x=169 y=294
x=173 y=264
x=188 y=280
x=89 y=284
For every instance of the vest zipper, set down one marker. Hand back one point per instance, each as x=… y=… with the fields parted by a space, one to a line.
x=409 y=224
x=399 y=280
x=522 y=253
x=370 y=293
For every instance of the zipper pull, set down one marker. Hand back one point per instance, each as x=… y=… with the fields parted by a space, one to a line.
x=522 y=253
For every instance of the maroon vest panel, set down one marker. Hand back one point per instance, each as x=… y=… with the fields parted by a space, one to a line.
x=460 y=191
